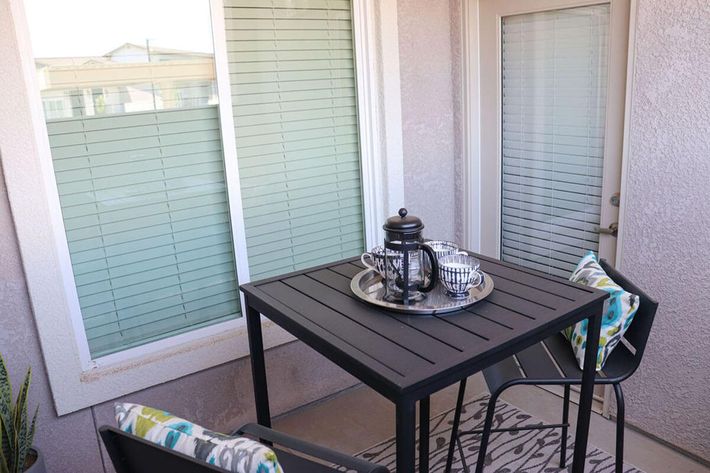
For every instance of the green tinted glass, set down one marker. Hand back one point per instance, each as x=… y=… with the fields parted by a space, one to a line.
x=134 y=131
x=295 y=110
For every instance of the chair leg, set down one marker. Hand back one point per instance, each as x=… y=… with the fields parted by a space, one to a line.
x=565 y=421
x=485 y=436
x=455 y=428
x=619 y=428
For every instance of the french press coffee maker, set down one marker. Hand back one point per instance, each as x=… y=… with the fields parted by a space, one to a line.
x=407 y=278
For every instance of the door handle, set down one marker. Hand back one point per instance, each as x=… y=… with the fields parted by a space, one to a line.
x=612 y=229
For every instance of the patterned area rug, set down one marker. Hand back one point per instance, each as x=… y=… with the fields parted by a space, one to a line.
x=532 y=451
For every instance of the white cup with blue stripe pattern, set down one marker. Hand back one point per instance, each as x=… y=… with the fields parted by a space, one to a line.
x=459 y=274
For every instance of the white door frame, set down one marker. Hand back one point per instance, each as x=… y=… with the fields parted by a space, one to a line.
x=379 y=111
x=471 y=133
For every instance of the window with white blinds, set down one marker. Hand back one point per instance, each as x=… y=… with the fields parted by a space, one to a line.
x=554 y=73
x=295 y=110
x=134 y=130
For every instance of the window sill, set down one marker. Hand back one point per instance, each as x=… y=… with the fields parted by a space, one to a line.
x=110 y=380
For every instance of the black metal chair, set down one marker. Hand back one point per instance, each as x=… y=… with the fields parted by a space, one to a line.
x=131 y=454
x=552 y=362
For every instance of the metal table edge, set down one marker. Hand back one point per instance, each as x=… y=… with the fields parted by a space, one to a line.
x=383 y=385
x=434 y=383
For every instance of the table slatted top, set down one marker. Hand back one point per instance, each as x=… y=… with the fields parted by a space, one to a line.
x=399 y=354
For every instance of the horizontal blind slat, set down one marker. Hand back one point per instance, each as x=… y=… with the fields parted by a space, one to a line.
x=289 y=34
x=291 y=13
x=290 y=5
x=295 y=112
x=554 y=67
x=147 y=222
x=138 y=307
x=238 y=46
x=548 y=234
x=158 y=330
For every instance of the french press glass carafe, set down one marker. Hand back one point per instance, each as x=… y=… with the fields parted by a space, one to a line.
x=407 y=278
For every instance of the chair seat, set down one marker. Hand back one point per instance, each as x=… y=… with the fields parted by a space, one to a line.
x=553 y=362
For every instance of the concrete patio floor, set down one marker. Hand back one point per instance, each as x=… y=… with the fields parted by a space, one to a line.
x=358 y=418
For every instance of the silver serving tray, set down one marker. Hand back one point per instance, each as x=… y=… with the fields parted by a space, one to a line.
x=368 y=286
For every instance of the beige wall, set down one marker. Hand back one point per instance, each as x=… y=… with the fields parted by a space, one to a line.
x=430 y=63
x=666 y=231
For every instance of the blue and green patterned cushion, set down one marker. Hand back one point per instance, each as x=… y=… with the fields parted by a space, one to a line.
x=619 y=311
x=235 y=454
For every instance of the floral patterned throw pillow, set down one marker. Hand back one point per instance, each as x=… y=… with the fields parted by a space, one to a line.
x=235 y=454
x=619 y=311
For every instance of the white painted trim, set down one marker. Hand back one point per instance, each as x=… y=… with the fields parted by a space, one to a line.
x=368 y=119
x=499 y=150
x=630 y=71
x=34 y=200
x=379 y=112
x=165 y=361
x=470 y=82
x=614 y=123
x=229 y=143
x=55 y=223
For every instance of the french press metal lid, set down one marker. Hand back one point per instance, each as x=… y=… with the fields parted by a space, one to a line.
x=402 y=224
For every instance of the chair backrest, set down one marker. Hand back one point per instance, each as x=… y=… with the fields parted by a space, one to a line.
x=131 y=454
x=638 y=332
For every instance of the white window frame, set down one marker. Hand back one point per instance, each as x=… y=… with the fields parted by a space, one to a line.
x=77 y=380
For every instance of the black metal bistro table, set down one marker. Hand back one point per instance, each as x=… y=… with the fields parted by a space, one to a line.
x=406 y=358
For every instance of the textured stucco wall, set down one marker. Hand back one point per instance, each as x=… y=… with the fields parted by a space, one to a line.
x=429 y=45
x=220 y=398
x=666 y=232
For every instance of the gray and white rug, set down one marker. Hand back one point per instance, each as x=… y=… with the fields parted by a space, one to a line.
x=531 y=451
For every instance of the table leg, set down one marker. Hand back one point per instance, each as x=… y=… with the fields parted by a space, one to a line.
x=258 y=366
x=424 y=435
x=406 y=436
x=586 y=392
